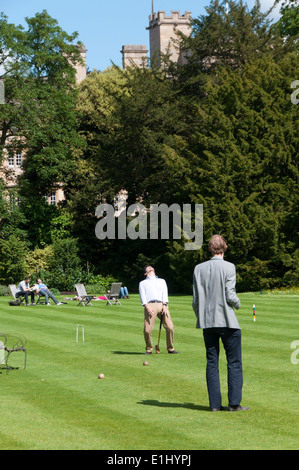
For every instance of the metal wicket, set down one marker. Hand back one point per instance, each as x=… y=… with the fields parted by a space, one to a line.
x=77 y=332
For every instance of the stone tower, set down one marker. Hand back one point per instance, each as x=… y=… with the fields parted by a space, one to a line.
x=134 y=55
x=162 y=32
x=81 y=68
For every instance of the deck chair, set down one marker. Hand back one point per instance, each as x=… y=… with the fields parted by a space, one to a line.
x=113 y=295
x=21 y=298
x=40 y=299
x=13 y=290
x=10 y=343
x=84 y=298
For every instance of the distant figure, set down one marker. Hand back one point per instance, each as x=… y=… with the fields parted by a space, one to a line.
x=43 y=290
x=214 y=296
x=154 y=297
x=123 y=293
x=25 y=290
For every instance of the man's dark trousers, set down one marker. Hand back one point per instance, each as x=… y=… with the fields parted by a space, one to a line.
x=26 y=295
x=231 y=339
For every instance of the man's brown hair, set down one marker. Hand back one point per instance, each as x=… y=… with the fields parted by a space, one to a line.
x=217 y=245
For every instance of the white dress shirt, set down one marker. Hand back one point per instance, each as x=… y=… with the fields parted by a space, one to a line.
x=153 y=288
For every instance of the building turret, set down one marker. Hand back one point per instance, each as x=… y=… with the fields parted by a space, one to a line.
x=163 y=34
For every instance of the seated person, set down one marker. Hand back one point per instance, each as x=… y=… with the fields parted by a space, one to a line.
x=25 y=290
x=123 y=293
x=43 y=290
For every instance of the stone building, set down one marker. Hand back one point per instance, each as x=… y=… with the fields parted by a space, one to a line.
x=163 y=34
x=134 y=55
x=163 y=39
x=11 y=167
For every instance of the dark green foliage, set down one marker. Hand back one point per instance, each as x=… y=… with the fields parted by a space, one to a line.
x=289 y=22
x=221 y=131
x=39 y=116
x=12 y=260
x=230 y=34
x=247 y=148
x=64 y=265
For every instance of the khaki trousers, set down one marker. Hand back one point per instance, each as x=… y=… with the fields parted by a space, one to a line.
x=149 y=322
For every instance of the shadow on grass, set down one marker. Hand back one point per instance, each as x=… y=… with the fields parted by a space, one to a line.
x=165 y=404
x=128 y=353
x=8 y=368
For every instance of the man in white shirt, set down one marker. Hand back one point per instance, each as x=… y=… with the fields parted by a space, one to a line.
x=154 y=297
x=25 y=290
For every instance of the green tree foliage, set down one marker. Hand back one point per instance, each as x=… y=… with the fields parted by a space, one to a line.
x=39 y=115
x=230 y=143
x=12 y=218
x=229 y=34
x=38 y=261
x=13 y=267
x=221 y=131
x=131 y=121
x=289 y=22
x=64 y=265
x=247 y=173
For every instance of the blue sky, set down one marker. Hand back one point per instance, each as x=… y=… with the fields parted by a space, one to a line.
x=104 y=26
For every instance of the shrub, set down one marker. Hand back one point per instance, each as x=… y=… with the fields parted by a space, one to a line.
x=99 y=284
x=13 y=267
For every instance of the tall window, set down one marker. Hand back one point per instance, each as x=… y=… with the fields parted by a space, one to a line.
x=11 y=159
x=19 y=159
x=53 y=198
x=14 y=199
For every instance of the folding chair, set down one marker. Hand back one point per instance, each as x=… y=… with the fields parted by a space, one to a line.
x=10 y=343
x=113 y=295
x=84 y=298
x=13 y=290
x=41 y=299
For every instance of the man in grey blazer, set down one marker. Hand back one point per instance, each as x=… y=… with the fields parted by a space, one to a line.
x=214 y=300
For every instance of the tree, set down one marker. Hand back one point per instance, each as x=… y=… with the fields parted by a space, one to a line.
x=38 y=261
x=129 y=121
x=230 y=34
x=39 y=115
x=289 y=22
x=12 y=219
x=229 y=142
x=13 y=267
x=134 y=123
x=64 y=264
x=247 y=166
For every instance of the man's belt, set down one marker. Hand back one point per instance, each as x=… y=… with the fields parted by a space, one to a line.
x=155 y=302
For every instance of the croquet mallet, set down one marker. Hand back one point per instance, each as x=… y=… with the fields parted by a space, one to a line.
x=157 y=345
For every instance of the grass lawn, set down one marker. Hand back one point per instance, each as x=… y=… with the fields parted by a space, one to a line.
x=58 y=402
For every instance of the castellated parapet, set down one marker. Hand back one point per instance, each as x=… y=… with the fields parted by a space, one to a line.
x=175 y=16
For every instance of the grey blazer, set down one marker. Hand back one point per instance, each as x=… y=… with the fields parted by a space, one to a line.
x=214 y=294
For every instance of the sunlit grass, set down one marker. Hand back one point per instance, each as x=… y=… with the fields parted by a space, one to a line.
x=58 y=402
